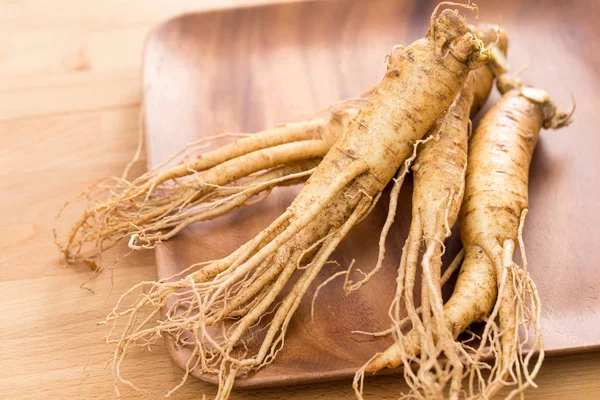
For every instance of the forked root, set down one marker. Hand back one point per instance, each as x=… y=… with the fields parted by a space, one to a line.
x=512 y=333
x=392 y=355
x=223 y=201
x=350 y=286
x=510 y=349
x=195 y=186
x=216 y=310
x=439 y=184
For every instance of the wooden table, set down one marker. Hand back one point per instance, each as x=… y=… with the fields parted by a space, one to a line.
x=69 y=105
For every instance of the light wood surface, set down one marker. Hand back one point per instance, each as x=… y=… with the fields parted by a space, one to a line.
x=69 y=106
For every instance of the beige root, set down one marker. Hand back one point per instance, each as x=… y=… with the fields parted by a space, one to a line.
x=200 y=186
x=514 y=322
x=438 y=189
x=439 y=177
x=216 y=309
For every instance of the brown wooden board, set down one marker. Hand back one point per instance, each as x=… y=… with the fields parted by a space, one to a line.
x=244 y=70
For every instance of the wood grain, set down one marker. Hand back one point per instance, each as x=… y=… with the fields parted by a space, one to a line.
x=51 y=149
x=246 y=70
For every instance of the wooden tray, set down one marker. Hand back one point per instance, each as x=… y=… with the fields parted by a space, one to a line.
x=247 y=69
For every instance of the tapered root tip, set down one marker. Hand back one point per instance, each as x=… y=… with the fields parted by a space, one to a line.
x=375 y=365
x=388 y=359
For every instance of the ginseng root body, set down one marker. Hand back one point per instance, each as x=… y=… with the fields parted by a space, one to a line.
x=439 y=179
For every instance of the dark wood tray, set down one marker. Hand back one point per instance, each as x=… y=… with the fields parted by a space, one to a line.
x=243 y=70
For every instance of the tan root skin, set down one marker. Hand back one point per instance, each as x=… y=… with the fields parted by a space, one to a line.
x=490 y=286
x=419 y=85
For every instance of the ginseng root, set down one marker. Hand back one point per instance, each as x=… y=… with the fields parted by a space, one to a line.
x=491 y=287
x=439 y=178
x=214 y=309
x=200 y=187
